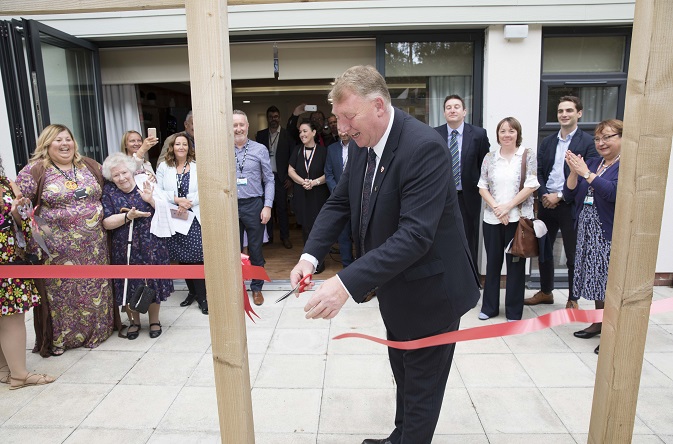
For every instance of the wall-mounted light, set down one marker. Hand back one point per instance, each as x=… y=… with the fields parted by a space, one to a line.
x=246 y=101
x=516 y=32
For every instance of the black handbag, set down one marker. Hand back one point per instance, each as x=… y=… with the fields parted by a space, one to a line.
x=142 y=298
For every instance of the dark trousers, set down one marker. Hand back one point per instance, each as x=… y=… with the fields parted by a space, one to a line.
x=421 y=377
x=196 y=287
x=249 y=220
x=280 y=210
x=557 y=218
x=496 y=238
x=346 y=246
x=471 y=225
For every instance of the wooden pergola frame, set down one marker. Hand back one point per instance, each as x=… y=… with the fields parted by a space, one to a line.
x=646 y=148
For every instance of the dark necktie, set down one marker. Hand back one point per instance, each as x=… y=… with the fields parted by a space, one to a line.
x=455 y=157
x=366 y=194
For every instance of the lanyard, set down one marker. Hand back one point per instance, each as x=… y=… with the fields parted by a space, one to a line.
x=241 y=165
x=273 y=140
x=590 y=191
x=307 y=162
x=179 y=177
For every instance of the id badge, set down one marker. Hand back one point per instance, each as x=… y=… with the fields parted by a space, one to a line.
x=241 y=181
x=80 y=193
x=589 y=200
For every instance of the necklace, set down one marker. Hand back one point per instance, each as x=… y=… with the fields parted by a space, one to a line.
x=70 y=184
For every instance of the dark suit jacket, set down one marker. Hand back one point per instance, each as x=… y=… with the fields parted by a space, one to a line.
x=582 y=143
x=283 y=150
x=333 y=165
x=473 y=150
x=417 y=258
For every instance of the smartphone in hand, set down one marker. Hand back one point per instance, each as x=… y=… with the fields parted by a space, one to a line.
x=152 y=132
x=311 y=108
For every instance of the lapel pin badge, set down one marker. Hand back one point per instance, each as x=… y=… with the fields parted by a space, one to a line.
x=382 y=169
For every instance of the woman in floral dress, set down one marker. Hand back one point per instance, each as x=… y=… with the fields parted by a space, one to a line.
x=17 y=296
x=81 y=309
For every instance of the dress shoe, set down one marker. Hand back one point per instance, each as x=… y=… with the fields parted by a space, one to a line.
x=320 y=269
x=539 y=298
x=483 y=316
x=286 y=243
x=257 y=297
x=596 y=349
x=377 y=441
x=188 y=300
x=583 y=334
x=203 y=305
x=572 y=304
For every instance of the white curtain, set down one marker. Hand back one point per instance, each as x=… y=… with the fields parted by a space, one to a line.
x=121 y=113
x=442 y=86
x=599 y=103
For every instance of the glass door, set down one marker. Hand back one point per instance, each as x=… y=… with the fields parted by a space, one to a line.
x=55 y=78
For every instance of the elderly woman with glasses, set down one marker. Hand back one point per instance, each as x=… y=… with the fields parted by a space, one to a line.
x=593 y=186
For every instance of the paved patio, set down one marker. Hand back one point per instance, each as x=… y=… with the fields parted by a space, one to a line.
x=534 y=388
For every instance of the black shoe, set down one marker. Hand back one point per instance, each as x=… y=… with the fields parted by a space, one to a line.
x=376 y=441
x=320 y=269
x=596 y=349
x=188 y=300
x=155 y=333
x=583 y=334
x=203 y=305
x=131 y=335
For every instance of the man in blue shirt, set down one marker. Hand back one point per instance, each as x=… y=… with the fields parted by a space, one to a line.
x=255 y=190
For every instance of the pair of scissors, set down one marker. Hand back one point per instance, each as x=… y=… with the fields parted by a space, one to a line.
x=299 y=288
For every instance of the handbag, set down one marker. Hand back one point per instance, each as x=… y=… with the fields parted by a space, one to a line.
x=142 y=298
x=525 y=243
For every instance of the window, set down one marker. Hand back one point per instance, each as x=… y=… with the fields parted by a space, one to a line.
x=591 y=65
x=422 y=71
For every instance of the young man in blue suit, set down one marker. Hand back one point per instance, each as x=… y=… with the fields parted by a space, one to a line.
x=555 y=212
x=471 y=146
x=408 y=232
x=337 y=157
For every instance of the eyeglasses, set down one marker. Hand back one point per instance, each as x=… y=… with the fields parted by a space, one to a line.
x=605 y=138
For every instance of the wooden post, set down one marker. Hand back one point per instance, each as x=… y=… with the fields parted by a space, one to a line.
x=210 y=78
x=643 y=171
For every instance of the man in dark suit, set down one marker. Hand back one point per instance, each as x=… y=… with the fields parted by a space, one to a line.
x=279 y=143
x=337 y=157
x=409 y=236
x=471 y=146
x=555 y=212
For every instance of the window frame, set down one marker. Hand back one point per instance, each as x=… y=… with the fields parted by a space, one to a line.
x=583 y=79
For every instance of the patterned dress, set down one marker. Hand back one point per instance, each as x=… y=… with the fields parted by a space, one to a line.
x=81 y=309
x=146 y=248
x=16 y=295
x=592 y=256
x=187 y=249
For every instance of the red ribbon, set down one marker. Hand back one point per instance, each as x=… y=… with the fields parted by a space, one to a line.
x=131 y=272
x=553 y=319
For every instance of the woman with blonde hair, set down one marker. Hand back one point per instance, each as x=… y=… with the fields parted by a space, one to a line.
x=67 y=188
x=133 y=145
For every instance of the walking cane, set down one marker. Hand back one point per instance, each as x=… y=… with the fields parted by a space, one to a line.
x=128 y=259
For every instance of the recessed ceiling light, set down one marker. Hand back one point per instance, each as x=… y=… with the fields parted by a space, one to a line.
x=246 y=101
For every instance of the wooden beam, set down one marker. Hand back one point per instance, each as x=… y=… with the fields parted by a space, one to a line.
x=210 y=78
x=44 y=7
x=643 y=171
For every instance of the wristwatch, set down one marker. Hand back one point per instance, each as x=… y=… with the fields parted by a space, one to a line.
x=559 y=195
x=587 y=174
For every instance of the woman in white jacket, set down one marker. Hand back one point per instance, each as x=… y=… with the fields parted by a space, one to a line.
x=176 y=179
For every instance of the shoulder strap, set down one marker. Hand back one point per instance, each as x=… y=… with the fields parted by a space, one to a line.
x=523 y=174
